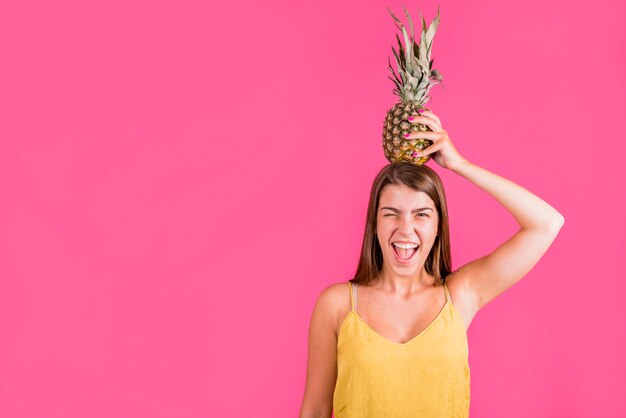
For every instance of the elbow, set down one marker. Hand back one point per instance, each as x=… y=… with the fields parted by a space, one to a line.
x=558 y=223
x=551 y=225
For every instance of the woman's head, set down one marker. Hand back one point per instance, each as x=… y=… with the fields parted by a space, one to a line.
x=407 y=204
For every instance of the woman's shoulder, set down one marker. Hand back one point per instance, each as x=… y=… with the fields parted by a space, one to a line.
x=335 y=294
x=335 y=299
x=461 y=295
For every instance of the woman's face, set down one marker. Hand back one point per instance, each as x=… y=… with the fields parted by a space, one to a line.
x=405 y=215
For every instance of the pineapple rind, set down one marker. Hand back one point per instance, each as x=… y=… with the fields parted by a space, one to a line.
x=396 y=147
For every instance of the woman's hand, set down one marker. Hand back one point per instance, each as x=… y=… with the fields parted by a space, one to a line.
x=442 y=149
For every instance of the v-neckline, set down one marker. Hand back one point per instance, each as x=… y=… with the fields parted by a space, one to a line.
x=412 y=339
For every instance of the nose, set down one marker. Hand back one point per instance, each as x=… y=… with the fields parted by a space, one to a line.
x=407 y=223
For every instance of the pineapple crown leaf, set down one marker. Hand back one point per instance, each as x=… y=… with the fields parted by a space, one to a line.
x=398 y=60
x=392 y=70
x=395 y=80
x=408 y=52
x=398 y=21
x=411 y=51
x=404 y=66
x=397 y=90
x=410 y=22
x=430 y=33
x=413 y=60
x=423 y=22
x=400 y=50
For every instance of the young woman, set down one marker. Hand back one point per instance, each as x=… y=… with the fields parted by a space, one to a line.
x=391 y=342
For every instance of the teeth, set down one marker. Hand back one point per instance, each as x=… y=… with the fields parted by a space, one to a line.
x=406 y=246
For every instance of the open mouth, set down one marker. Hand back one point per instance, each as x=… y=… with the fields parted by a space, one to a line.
x=404 y=255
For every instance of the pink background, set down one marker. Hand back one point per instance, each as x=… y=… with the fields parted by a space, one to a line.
x=179 y=180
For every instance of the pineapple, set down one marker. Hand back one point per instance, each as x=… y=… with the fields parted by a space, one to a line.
x=415 y=81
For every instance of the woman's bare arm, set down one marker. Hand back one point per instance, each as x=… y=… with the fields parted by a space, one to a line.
x=540 y=223
x=322 y=355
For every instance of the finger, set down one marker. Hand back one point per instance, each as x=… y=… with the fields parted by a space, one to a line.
x=432 y=115
x=423 y=134
x=431 y=123
x=426 y=151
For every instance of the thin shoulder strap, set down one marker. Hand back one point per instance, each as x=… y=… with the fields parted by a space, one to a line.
x=352 y=295
x=445 y=286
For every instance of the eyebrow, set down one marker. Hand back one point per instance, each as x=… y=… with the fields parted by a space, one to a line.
x=413 y=211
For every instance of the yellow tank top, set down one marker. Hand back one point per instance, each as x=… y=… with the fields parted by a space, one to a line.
x=428 y=376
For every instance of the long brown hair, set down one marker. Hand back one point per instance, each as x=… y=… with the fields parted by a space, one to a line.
x=420 y=178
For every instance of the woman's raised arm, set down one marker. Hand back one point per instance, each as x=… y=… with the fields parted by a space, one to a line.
x=540 y=223
x=488 y=276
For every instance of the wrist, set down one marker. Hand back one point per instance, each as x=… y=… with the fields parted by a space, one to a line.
x=456 y=167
